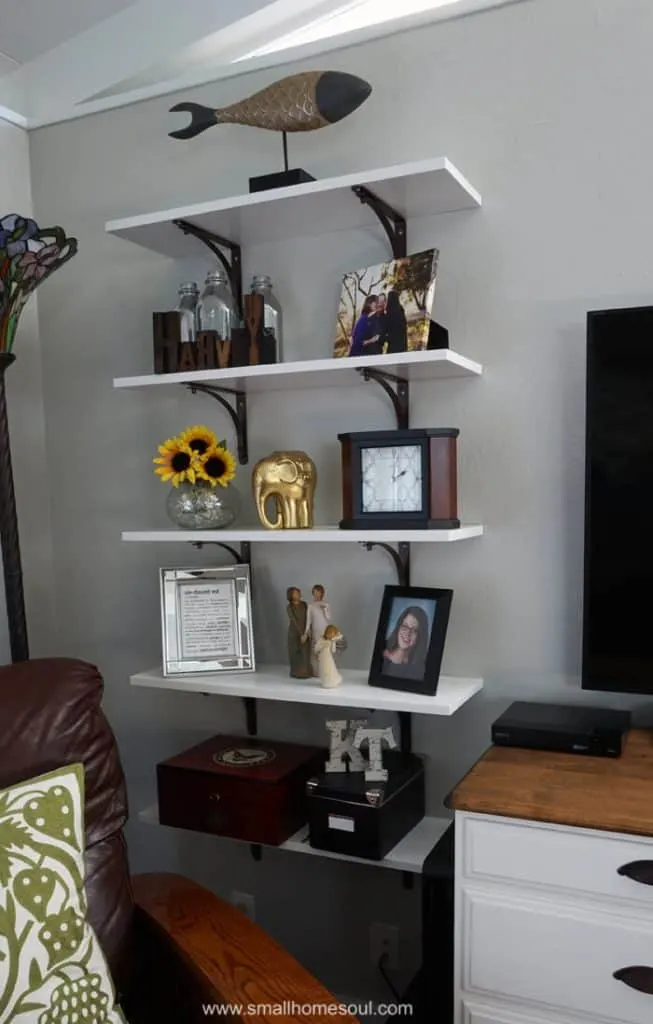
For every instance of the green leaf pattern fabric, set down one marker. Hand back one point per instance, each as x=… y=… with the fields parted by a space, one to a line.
x=52 y=970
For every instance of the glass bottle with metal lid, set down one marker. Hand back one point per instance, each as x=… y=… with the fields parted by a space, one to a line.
x=217 y=310
x=187 y=307
x=272 y=314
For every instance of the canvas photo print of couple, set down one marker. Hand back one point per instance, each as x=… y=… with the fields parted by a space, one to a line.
x=386 y=309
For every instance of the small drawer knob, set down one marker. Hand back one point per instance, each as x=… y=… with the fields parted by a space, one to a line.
x=639 y=978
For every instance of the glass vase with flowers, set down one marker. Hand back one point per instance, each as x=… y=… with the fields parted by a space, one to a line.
x=201 y=470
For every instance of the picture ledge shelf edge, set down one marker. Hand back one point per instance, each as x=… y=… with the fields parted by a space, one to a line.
x=414 y=366
x=408 y=855
x=316 y=535
x=420 y=188
x=273 y=683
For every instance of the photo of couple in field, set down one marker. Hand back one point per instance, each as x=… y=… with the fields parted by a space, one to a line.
x=386 y=309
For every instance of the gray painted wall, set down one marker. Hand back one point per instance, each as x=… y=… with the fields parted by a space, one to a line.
x=544 y=107
x=27 y=427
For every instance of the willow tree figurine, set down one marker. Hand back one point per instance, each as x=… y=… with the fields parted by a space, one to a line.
x=317 y=620
x=325 y=652
x=299 y=648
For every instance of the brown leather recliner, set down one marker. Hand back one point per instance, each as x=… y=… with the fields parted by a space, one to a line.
x=172 y=946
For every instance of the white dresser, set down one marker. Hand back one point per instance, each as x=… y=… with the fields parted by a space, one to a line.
x=554 y=923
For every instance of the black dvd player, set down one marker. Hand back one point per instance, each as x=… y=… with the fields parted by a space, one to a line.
x=598 y=732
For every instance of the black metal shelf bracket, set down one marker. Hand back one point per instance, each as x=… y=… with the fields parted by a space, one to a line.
x=397 y=390
x=400 y=556
x=242 y=557
x=392 y=222
x=238 y=414
x=233 y=266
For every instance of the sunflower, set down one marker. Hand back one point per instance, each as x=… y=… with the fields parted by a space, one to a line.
x=177 y=462
x=199 y=439
x=217 y=466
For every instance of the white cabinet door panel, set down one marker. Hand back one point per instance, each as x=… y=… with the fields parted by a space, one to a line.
x=542 y=856
x=554 y=958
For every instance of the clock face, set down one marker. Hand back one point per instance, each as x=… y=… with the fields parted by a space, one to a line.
x=392 y=479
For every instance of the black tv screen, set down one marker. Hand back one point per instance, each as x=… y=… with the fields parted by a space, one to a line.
x=618 y=591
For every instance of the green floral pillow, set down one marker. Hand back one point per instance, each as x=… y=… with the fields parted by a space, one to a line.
x=52 y=970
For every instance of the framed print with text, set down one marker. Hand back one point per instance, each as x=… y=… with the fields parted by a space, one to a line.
x=207 y=620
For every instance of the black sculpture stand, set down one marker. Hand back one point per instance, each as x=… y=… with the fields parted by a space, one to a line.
x=9 y=532
x=282 y=179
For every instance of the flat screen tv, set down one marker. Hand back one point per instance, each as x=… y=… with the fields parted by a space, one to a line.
x=618 y=587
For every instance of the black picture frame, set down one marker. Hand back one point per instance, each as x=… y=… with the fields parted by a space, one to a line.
x=430 y=607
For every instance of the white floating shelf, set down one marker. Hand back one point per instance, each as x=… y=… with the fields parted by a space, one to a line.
x=408 y=855
x=273 y=683
x=317 y=373
x=418 y=189
x=318 y=535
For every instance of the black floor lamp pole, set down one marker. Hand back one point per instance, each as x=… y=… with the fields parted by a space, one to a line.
x=9 y=532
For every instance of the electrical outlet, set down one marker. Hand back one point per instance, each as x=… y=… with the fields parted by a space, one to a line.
x=244 y=901
x=384 y=941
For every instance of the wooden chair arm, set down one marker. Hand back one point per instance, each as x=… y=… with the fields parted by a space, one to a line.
x=230 y=958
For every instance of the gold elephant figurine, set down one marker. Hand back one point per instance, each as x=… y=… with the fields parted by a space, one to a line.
x=289 y=480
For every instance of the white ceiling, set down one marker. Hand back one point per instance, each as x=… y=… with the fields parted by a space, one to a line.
x=62 y=59
x=29 y=28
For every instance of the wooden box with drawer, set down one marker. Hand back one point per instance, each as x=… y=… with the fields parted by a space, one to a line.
x=243 y=788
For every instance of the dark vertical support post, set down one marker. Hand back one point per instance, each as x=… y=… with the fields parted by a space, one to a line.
x=9 y=541
x=243 y=439
x=403 y=396
x=405 y=732
x=404 y=558
x=285 y=151
x=236 y=277
x=251 y=716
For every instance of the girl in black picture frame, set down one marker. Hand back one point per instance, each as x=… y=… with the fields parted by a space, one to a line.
x=407 y=645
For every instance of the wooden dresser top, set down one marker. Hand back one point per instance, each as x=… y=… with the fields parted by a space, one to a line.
x=612 y=794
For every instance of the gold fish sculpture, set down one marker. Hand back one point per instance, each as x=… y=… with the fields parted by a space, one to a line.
x=299 y=103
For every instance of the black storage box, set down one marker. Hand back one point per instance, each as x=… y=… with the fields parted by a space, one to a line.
x=348 y=815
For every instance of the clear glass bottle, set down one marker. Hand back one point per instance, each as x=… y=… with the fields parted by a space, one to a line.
x=216 y=310
x=272 y=314
x=187 y=307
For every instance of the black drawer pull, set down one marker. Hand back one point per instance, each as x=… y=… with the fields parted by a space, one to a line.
x=639 y=978
x=640 y=871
